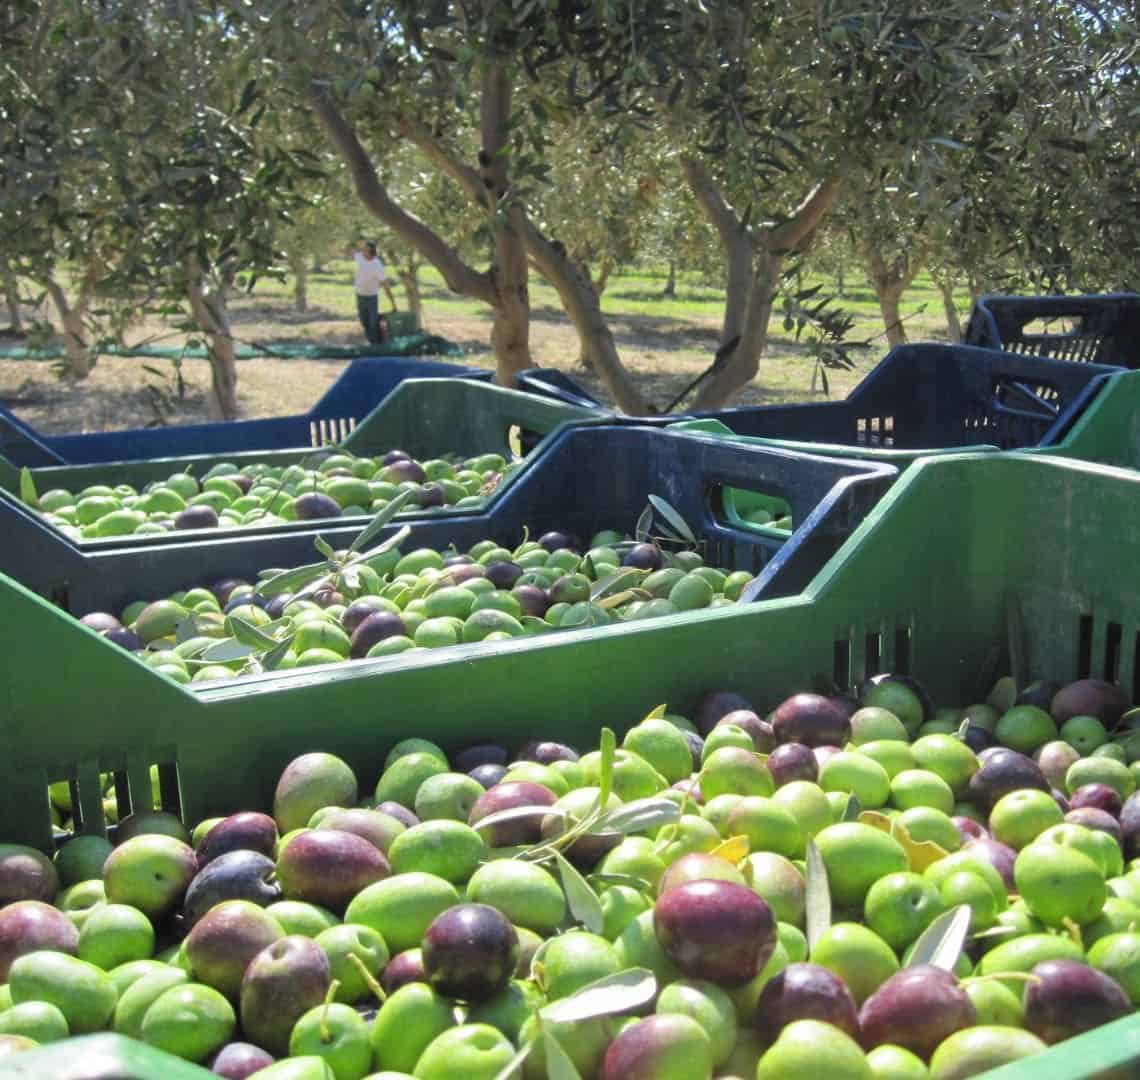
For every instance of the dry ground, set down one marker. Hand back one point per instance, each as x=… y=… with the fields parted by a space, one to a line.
x=664 y=343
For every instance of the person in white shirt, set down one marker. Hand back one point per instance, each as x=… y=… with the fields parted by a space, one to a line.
x=369 y=279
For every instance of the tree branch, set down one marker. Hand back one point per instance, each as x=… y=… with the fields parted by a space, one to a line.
x=795 y=234
x=460 y=277
x=708 y=194
x=420 y=136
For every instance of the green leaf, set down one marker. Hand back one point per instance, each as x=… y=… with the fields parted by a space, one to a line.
x=272 y=659
x=853 y=809
x=393 y=541
x=512 y=1069
x=673 y=518
x=583 y=902
x=248 y=634
x=325 y=548
x=608 y=751
x=818 y=906
x=612 y=582
x=619 y=993
x=383 y=516
x=517 y=813
x=227 y=650
x=940 y=944
x=28 y=493
x=638 y=816
x=622 y=879
x=185 y=629
x=291 y=580
x=558 y=1063
x=641 y=529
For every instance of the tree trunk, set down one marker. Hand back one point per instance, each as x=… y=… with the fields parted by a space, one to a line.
x=300 y=282
x=671 y=282
x=840 y=282
x=510 y=326
x=890 y=282
x=889 y=295
x=409 y=278
x=75 y=346
x=12 y=299
x=744 y=363
x=603 y=277
x=945 y=283
x=208 y=306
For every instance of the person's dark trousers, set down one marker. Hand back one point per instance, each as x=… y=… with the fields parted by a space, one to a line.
x=368 y=310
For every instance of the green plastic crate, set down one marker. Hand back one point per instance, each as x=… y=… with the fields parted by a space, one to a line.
x=971 y=566
x=424 y=417
x=1108 y=432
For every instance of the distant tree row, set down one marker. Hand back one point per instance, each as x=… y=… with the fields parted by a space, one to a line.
x=158 y=151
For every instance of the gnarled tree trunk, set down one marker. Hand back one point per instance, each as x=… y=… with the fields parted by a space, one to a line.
x=670 y=289
x=945 y=283
x=208 y=306
x=76 y=348
x=299 y=265
x=409 y=278
x=890 y=280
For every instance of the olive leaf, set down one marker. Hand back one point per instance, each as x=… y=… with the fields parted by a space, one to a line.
x=853 y=808
x=28 y=493
x=291 y=580
x=325 y=548
x=618 y=599
x=621 y=992
x=920 y=853
x=558 y=1063
x=227 y=650
x=638 y=816
x=248 y=634
x=583 y=902
x=611 y=582
x=272 y=659
x=510 y=1071
x=376 y=525
x=940 y=944
x=607 y=749
x=733 y=849
x=672 y=517
x=641 y=529
x=393 y=541
x=963 y=727
x=185 y=629
x=656 y=714
x=640 y=884
x=350 y=577
x=518 y=813
x=818 y=903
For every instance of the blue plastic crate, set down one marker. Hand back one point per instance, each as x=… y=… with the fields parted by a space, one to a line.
x=360 y=388
x=1100 y=329
x=586 y=478
x=552 y=383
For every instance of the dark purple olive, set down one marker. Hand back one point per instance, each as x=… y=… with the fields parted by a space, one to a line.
x=404 y=471
x=470 y=952
x=1130 y=825
x=222 y=589
x=327 y=597
x=532 y=600
x=793 y=761
x=124 y=638
x=554 y=540
x=503 y=575
x=968 y=828
x=399 y=812
x=1039 y=693
x=375 y=628
x=1067 y=998
x=998 y=855
x=1001 y=772
x=804 y=992
x=811 y=719
x=465 y=572
x=487 y=775
x=1098 y=796
x=1092 y=818
x=430 y=496
x=253 y=599
x=358 y=611
x=405 y=967
x=505 y=797
x=314 y=505
x=546 y=753
x=978 y=739
x=458 y=560
x=197 y=517
x=236 y=875
x=643 y=557
x=916 y=1009
x=243 y=831
x=713 y=705
x=100 y=621
x=715 y=930
x=485 y=753
x=1089 y=697
x=237 y=1060
x=244 y=482
x=275 y=606
x=763 y=737
x=393 y=456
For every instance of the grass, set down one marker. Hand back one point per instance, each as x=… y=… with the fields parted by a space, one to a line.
x=665 y=343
